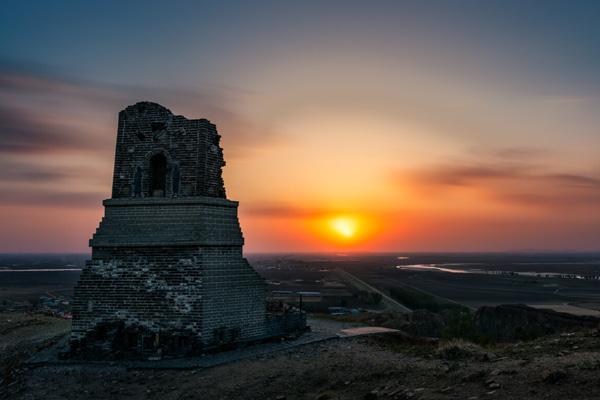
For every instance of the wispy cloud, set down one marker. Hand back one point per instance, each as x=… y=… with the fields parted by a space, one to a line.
x=276 y=210
x=52 y=198
x=27 y=86
x=472 y=173
x=48 y=118
x=566 y=100
x=518 y=153
x=18 y=172
x=573 y=180
x=467 y=175
x=548 y=199
x=26 y=132
x=511 y=182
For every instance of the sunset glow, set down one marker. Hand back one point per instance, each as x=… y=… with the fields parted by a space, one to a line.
x=404 y=126
x=344 y=226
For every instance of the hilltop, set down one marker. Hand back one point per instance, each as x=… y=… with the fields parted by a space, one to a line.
x=392 y=366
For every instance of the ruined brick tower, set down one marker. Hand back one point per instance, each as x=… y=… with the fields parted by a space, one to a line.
x=167 y=275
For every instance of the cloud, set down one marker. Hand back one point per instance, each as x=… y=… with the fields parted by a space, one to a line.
x=274 y=210
x=519 y=153
x=549 y=199
x=23 y=132
x=566 y=100
x=59 y=130
x=517 y=182
x=474 y=174
x=52 y=198
x=500 y=164
x=574 y=180
x=28 y=81
x=14 y=172
x=465 y=175
x=241 y=132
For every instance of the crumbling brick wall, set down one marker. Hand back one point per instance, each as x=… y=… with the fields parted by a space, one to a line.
x=206 y=296
x=194 y=157
x=154 y=289
x=167 y=274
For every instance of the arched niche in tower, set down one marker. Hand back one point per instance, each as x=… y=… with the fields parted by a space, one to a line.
x=158 y=175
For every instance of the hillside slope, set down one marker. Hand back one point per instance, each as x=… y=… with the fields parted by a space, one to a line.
x=562 y=366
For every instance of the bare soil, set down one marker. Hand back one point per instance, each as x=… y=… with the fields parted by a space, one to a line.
x=389 y=366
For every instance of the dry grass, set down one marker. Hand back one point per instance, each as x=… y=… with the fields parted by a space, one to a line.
x=458 y=349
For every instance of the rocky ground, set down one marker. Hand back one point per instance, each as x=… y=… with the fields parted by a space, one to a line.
x=22 y=335
x=562 y=366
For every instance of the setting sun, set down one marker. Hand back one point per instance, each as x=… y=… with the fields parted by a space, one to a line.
x=336 y=230
x=344 y=226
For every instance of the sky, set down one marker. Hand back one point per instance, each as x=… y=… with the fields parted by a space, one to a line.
x=346 y=126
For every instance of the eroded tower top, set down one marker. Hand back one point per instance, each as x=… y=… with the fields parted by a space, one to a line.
x=159 y=154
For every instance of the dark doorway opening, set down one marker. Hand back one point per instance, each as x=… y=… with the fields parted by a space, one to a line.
x=158 y=177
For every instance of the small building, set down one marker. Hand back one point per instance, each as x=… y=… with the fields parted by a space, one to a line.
x=167 y=275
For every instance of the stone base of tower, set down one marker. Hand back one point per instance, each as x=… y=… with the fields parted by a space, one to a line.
x=167 y=278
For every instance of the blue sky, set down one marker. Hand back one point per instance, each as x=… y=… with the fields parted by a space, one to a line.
x=140 y=41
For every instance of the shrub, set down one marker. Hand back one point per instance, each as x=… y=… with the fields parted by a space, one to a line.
x=458 y=349
x=461 y=325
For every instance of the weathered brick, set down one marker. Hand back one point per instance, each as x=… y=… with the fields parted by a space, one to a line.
x=167 y=274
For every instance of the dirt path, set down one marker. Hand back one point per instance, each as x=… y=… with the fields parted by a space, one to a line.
x=389 y=302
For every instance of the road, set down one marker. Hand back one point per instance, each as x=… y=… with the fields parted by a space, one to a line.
x=389 y=302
